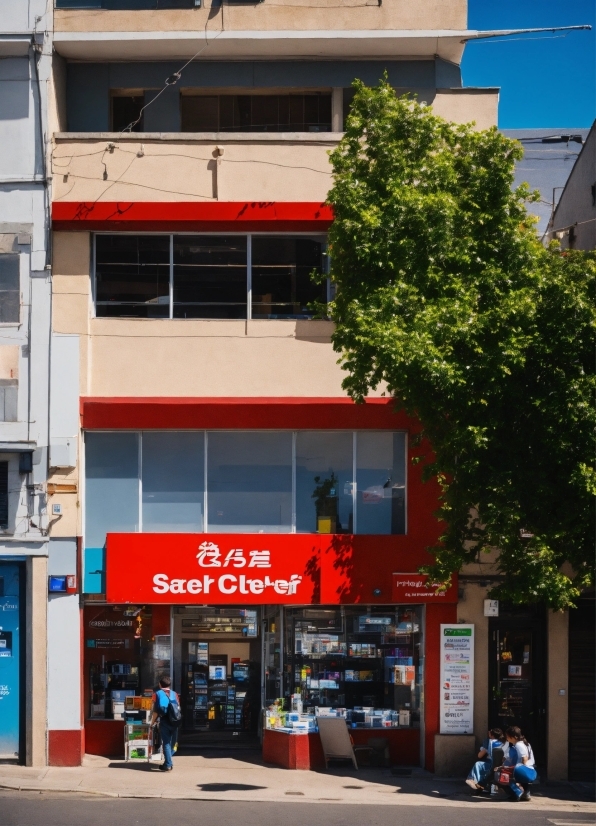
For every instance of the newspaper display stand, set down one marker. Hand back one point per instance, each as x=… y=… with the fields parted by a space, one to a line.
x=138 y=744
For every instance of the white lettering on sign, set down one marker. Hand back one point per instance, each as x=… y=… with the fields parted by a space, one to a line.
x=162 y=585
x=226 y=584
x=209 y=556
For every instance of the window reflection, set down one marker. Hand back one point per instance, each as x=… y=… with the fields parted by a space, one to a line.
x=173 y=481
x=380 y=482
x=251 y=485
x=324 y=482
x=249 y=481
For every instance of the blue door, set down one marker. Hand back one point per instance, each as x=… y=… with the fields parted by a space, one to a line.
x=10 y=659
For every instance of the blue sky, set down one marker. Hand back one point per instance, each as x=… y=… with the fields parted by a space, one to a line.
x=546 y=80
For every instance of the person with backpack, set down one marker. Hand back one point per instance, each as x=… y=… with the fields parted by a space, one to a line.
x=166 y=709
x=482 y=768
x=524 y=772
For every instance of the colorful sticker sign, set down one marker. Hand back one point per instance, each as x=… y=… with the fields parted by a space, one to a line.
x=457 y=679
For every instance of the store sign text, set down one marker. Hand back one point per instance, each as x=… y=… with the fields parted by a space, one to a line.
x=186 y=568
x=225 y=584
x=415 y=588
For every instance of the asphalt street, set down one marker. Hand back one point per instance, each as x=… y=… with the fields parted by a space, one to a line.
x=35 y=809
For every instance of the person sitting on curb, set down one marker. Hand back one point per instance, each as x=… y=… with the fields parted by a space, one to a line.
x=169 y=733
x=482 y=768
x=524 y=772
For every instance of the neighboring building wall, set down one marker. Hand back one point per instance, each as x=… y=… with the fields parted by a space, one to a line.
x=65 y=733
x=25 y=58
x=574 y=220
x=36 y=661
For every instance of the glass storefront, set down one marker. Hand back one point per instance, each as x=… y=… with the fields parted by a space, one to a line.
x=124 y=657
x=358 y=658
x=229 y=663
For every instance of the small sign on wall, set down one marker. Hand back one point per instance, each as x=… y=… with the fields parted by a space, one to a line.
x=491 y=607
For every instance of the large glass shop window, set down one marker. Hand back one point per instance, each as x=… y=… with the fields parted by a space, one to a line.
x=126 y=653
x=363 y=659
x=173 y=481
x=249 y=482
x=244 y=482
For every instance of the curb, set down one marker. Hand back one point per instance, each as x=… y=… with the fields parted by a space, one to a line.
x=537 y=805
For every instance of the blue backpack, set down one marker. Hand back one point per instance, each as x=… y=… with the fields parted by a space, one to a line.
x=173 y=713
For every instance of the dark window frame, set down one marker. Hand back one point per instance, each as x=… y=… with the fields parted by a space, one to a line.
x=240 y=114
x=171 y=308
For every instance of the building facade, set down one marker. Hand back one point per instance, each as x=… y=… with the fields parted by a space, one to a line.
x=25 y=425
x=218 y=510
x=573 y=222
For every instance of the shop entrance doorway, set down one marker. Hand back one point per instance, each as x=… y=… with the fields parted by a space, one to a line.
x=517 y=688
x=217 y=673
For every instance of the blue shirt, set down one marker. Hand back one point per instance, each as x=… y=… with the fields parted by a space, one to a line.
x=162 y=701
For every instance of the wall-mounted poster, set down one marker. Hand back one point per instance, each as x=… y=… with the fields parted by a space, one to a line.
x=457 y=679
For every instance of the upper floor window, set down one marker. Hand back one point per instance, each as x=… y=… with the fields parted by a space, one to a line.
x=267 y=481
x=208 y=276
x=297 y=112
x=10 y=291
x=201 y=112
x=126 y=110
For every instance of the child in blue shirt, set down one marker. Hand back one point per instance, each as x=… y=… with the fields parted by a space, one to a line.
x=482 y=768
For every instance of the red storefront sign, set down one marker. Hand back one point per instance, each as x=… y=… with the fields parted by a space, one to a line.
x=413 y=588
x=251 y=569
x=262 y=569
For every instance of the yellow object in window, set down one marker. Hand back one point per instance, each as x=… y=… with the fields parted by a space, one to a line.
x=324 y=524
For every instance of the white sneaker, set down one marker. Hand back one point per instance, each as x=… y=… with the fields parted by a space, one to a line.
x=494 y=789
x=472 y=783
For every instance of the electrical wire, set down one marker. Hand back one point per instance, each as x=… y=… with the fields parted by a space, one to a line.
x=570 y=226
x=172 y=79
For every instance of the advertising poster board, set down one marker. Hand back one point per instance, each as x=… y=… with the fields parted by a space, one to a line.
x=457 y=679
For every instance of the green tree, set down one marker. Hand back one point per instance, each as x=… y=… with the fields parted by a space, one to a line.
x=446 y=295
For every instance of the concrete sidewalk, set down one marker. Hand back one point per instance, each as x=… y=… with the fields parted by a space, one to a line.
x=241 y=776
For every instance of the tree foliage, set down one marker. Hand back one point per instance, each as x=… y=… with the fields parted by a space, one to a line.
x=446 y=295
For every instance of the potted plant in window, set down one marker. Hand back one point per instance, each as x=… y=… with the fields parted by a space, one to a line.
x=326 y=503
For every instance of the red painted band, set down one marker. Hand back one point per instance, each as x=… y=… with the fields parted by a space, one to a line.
x=242 y=413
x=181 y=216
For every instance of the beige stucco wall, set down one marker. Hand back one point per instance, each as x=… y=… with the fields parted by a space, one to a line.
x=9 y=361
x=470 y=609
x=36 y=661
x=186 y=357
x=151 y=168
x=558 y=680
x=301 y=15
x=65 y=486
x=160 y=170
x=468 y=105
